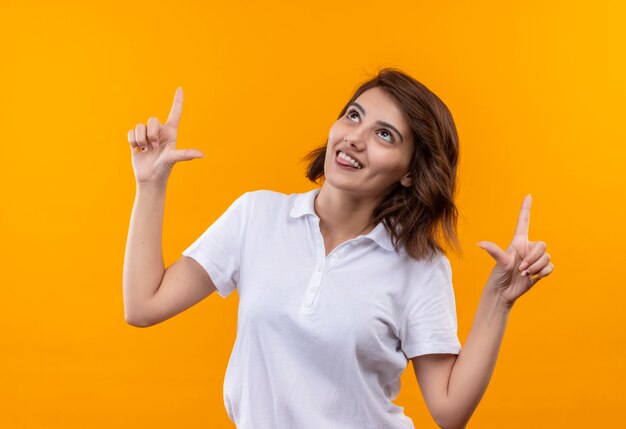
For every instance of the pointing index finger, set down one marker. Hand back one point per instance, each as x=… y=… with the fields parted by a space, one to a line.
x=177 y=108
x=524 y=217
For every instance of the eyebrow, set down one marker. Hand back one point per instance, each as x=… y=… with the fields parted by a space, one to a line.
x=384 y=124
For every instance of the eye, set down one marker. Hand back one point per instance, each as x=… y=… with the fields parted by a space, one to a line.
x=351 y=112
x=391 y=139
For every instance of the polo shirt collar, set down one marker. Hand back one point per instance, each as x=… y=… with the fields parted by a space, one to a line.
x=303 y=204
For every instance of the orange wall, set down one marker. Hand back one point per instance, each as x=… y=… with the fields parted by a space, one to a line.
x=536 y=89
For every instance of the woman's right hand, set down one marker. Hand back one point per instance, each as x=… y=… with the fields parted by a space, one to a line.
x=153 y=147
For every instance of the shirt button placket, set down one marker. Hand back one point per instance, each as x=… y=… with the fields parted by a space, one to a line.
x=318 y=274
x=315 y=285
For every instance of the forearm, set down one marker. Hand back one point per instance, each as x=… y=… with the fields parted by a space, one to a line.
x=143 y=260
x=475 y=363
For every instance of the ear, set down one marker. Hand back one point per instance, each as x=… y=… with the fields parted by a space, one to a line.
x=406 y=180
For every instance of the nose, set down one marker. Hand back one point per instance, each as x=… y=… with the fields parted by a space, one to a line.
x=354 y=140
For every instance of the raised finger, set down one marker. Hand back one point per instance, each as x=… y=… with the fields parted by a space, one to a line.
x=152 y=133
x=140 y=137
x=524 y=217
x=177 y=109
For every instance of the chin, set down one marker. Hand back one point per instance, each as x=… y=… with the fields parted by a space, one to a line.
x=344 y=185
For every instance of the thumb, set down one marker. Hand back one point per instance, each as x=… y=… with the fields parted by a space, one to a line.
x=185 y=155
x=493 y=250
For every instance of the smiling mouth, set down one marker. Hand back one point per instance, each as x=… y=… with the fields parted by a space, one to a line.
x=347 y=160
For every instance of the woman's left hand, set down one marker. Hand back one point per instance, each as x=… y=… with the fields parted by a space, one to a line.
x=522 y=265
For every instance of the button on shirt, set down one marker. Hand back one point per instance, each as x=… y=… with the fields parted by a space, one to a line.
x=322 y=340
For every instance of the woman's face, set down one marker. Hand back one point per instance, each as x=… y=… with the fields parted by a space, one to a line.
x=374 y=132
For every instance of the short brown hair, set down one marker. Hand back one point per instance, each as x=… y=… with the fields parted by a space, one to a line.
x=417 y=215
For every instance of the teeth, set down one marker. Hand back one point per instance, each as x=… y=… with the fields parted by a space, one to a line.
x=350 y=160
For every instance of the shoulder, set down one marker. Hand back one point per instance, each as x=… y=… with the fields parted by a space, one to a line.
x=439 y=270
x=426 y=268
x=431 y=288
x=265 y=195
x=441 y=262
x=271 y=203
x=266 y=198
x=426 y=278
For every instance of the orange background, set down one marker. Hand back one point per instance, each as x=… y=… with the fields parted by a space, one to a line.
x=537 y=90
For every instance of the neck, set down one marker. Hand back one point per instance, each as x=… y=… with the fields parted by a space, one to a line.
x=343 y=215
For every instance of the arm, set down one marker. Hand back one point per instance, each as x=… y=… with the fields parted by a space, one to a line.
x=454 y=385
x=516 y=271
x=143 y=261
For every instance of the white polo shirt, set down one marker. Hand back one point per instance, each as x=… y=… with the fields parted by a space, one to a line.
x=321 y=340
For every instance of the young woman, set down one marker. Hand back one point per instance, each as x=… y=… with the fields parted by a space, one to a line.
x=339 y=287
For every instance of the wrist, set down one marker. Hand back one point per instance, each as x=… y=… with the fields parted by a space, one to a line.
x=150 y=187
x=498 y=301
x=504 y=304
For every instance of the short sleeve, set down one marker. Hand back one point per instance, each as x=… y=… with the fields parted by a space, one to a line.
x=218 y=249
x=429 y=324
